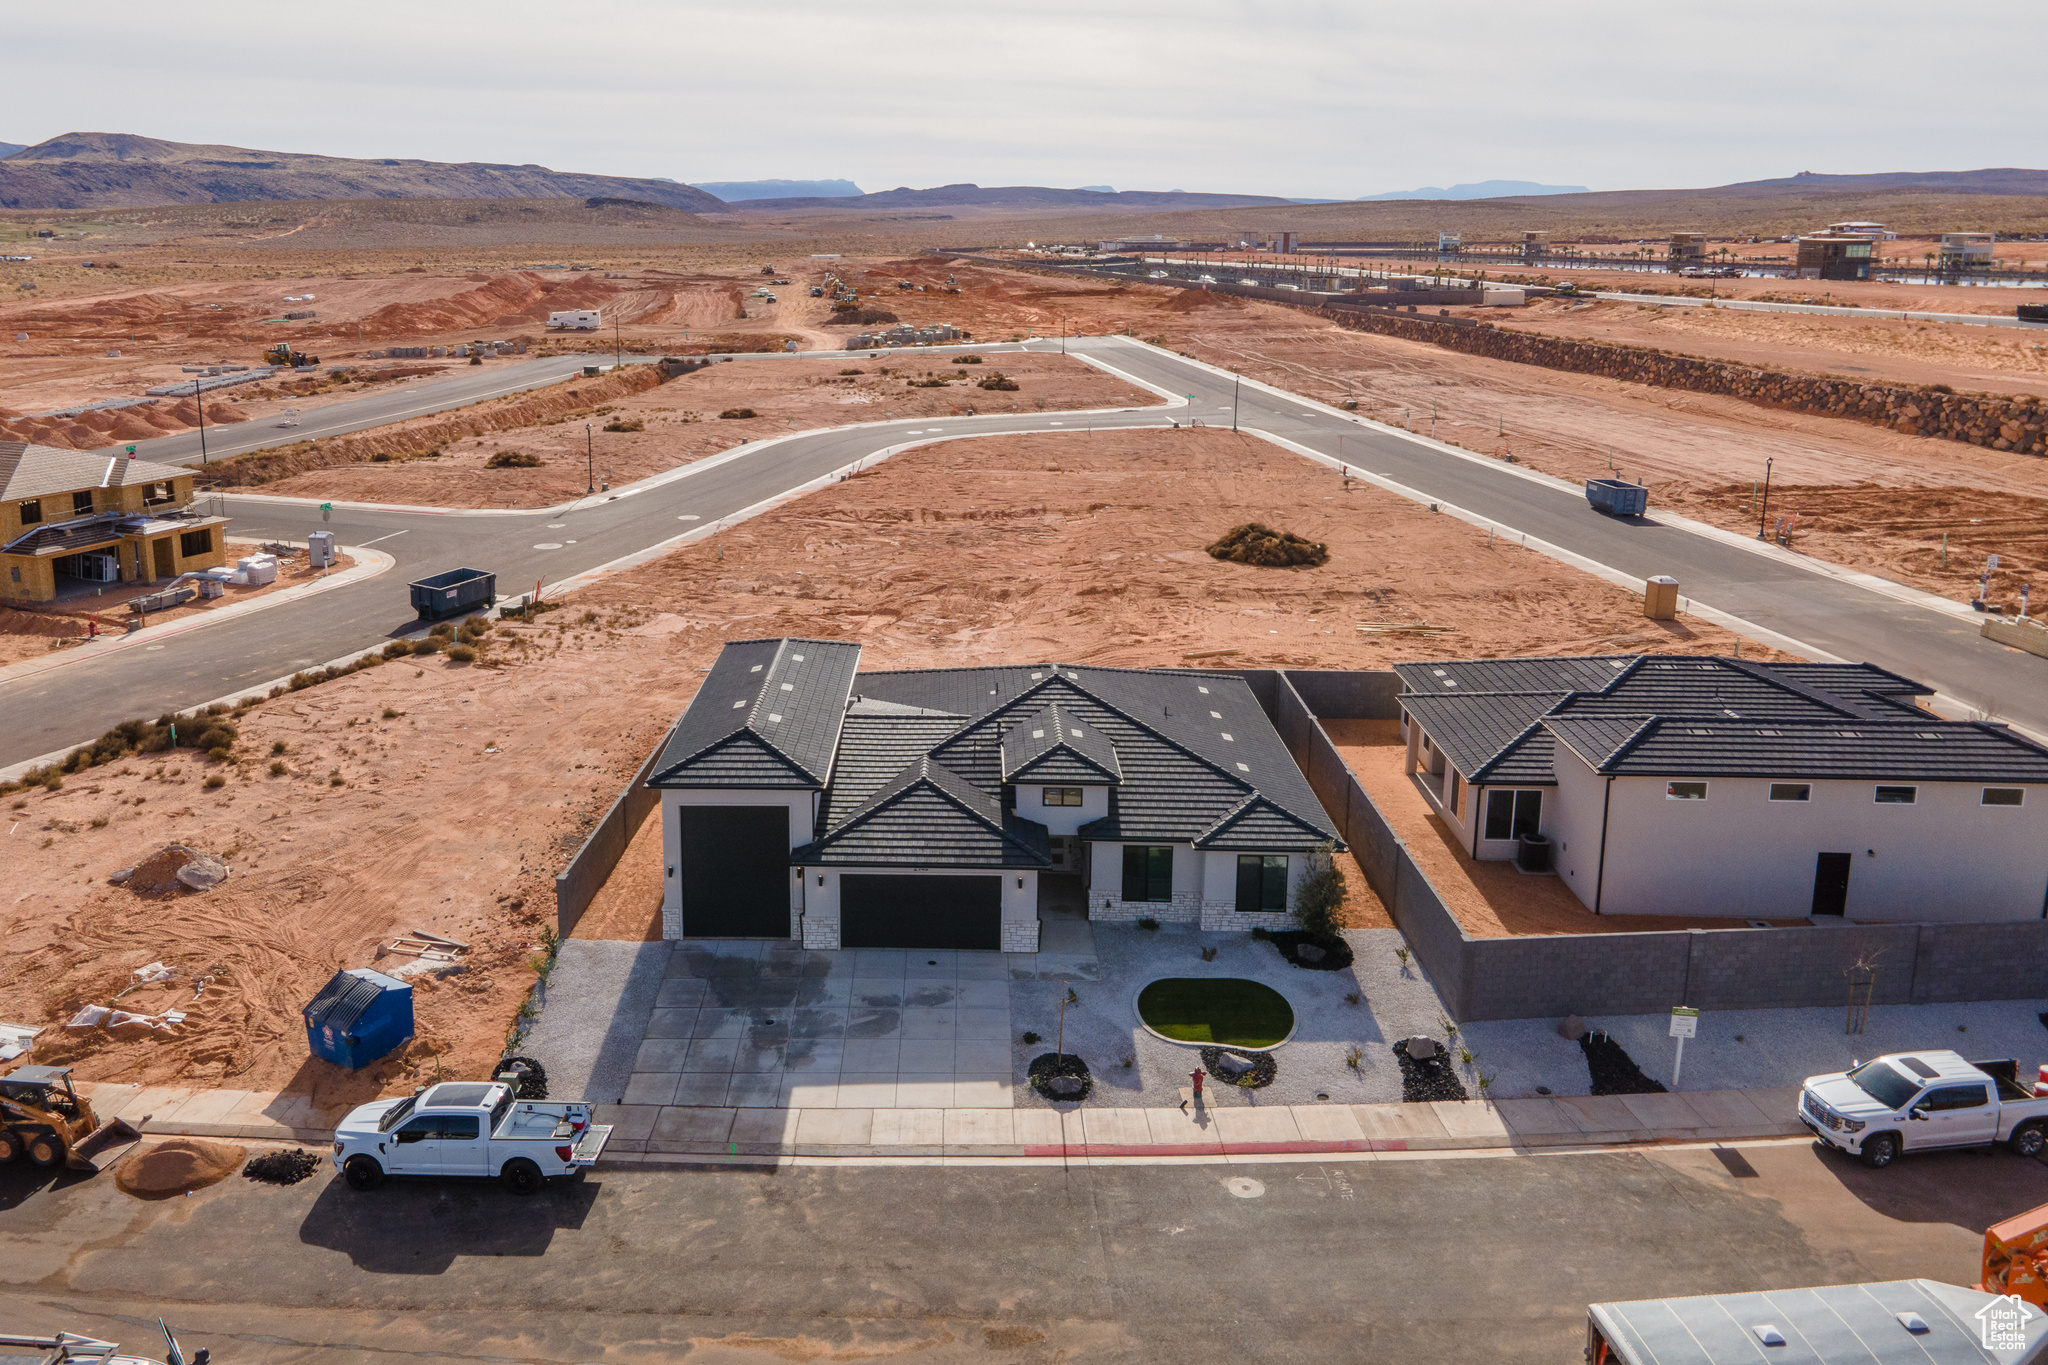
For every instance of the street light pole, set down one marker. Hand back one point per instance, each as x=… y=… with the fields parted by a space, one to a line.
x=1236 y=380
x=200 y=403
x=589 y=460
x=1764 y=510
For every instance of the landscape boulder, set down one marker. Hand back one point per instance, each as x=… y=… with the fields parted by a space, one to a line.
x=203 y=872
x=1572 y=1029
x=1233 y=1064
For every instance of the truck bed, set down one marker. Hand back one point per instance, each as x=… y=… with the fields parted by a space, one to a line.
x=529 y=1119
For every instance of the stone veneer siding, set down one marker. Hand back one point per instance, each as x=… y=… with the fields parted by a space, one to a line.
x=1021 y=937
x=821 y=935
x=1220 y=916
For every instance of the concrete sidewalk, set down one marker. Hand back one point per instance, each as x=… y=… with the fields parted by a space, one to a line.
x=1707 y=1115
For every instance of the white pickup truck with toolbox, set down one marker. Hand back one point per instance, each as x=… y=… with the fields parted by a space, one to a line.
x=468 y=1128
x=1921 y=1101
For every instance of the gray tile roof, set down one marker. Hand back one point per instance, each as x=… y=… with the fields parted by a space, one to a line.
x=1488 y=730
x=1694 y=715
x=35 y=471
x=1058 y=745
x=929 y=816
x=1259 y=826
x=788 y=696
x=1911 y=751
x=875 y=746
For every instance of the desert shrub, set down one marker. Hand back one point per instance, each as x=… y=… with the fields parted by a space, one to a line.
x=220 y=753
x=462 y=654
x=397 y=649
x=999 y=381
x=515 y=459
x=390 y=714
x=1257 y=543
x=847 y=372
x=932 y=383
x=966 y=360
x=381 y=457
x=430 y=645
x=336 y=780
x=1319 y=898
x=736 y=414
x=277 y=747
x=278 y=767
x=626 y=424
x=215 y=781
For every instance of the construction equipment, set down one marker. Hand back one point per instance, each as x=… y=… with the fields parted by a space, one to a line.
x=43 y=1115
x=283 y=354
x=2016 y=1257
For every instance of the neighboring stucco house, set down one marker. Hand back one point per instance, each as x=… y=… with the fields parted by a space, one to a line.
x=1711 y=786
x=803 y=798
x=72 y=519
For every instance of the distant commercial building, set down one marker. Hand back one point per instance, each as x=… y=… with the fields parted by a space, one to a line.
x=1835 y=256
x=1688 y=248
x=1535 y=245
x=1151 y=241
x=1863 y=227
x=1449 y=243
x=1966 y=250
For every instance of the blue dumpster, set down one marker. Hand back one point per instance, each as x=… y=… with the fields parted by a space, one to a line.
x=357 y=1017
x=453 y=593
x=1618 y=497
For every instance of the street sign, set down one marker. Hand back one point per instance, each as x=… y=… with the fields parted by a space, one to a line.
x=327 y=511
x=1685 y=1023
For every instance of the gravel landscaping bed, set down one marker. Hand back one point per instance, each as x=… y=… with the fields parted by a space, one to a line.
x=1612 y=1070
x=1048 y=1067
x=1394 y=1001
x=1257 y=1077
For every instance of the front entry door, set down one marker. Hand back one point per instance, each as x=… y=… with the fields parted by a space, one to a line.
x=1831 y=883
x=166 y=567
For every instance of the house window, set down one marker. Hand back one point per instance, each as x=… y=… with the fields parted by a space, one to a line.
x=1791 y=791
x=1457 y=792
x=81 y=503
x=2004 y=796
x=1897 y=796
x=1061 y=796
x=31 y=512
x=1685 y=791
x=1509 y=815
x=1261 y=882
x=1148 y=873
x=198 y=542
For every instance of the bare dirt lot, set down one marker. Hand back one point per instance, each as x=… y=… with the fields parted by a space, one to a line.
x=443 y=797
x=657 y=429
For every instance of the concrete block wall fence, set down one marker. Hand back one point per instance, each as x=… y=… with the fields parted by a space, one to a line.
x=577 y=884
x=1630 y=973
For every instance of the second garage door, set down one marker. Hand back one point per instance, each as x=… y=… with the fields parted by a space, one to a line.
x=921 y=912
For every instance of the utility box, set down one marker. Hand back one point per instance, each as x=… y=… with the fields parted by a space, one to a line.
x=359 y=1016
x=1660 y=598
x=320 y=549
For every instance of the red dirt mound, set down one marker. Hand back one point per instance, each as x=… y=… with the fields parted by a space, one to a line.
x=178 y=1166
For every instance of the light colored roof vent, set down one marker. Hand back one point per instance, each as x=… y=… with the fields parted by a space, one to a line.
x=1913 y=1323
x=1768 y=1334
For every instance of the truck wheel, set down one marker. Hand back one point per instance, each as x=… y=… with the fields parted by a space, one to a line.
x=362 y=1173
x=522 y=1176
x=1878 y=1151
x=10 y=1146
x=46 y=1149
x=2028 y=1140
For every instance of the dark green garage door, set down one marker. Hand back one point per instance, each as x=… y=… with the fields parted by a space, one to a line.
x=921 y=912
x=736 y=874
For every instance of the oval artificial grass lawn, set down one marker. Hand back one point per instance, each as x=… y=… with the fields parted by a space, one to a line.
x=1227 y=1011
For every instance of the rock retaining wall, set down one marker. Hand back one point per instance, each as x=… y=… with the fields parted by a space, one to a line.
x=1980 y=419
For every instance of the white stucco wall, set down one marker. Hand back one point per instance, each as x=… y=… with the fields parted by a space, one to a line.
x=801 y=805
x=1571 y=817
x=1061 y=819
x=1737 y=853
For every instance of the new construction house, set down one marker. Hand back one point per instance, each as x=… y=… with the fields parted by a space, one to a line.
x=1722 y=787
x=71 y=520
x=802 y=798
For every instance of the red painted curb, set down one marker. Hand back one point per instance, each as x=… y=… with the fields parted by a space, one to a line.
x=1073 y=1149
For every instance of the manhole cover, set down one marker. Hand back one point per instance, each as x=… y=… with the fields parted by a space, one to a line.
x=548 y=545
x=1244 y=1187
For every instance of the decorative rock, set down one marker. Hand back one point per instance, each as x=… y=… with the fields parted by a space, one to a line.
x=1309 y=952
x=1573 y=1028
x=1065 y=1086
x=1420 y=1049
x=203 y=873
x=1235 y=1064
x=121 y=875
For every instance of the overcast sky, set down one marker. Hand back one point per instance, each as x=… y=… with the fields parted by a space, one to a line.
x=1309 y=98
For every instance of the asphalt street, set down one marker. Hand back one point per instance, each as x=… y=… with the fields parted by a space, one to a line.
x=1489 y=1258
x=72 y=703
x=492 y=379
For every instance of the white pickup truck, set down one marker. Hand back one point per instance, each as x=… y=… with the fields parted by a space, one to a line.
x=1919 y=1101
x=467 y=1128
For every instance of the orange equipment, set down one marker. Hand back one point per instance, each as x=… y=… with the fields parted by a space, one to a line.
x=2016 y=1257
